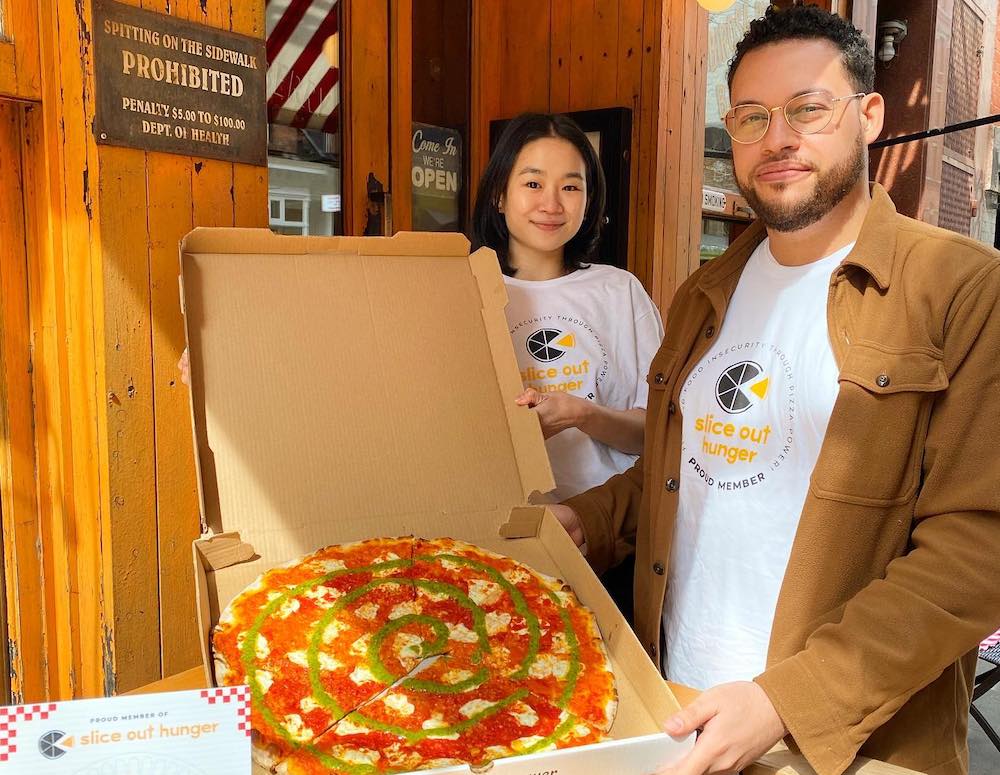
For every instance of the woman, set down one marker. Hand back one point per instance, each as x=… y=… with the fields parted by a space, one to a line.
x=584 y=333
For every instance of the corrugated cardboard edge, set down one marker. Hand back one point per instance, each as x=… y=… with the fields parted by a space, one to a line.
x=525 y=431
x=264 y=242
x=631 y=657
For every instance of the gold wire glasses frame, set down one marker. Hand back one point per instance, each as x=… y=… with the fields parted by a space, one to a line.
x=806 y=114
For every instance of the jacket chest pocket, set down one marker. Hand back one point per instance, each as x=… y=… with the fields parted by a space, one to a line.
x=873 y=448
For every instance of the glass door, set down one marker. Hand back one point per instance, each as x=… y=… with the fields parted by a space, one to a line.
x=304 y=116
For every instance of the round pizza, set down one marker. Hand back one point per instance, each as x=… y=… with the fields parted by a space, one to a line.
x=399 y=654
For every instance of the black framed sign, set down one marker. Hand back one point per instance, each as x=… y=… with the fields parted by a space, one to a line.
x=610 y=132
x=163 y=84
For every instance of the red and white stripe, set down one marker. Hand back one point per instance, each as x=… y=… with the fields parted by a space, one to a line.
x=303 y=88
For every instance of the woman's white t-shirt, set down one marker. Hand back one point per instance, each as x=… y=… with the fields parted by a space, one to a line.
x=591 y=333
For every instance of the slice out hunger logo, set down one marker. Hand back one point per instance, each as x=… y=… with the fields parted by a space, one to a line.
x=48 y=744
x=739 y=385
x=549 y=344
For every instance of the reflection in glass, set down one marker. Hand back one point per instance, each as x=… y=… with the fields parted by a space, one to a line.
x=303 y=106
x=725 y=29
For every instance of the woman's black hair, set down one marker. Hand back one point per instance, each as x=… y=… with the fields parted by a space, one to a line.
x=489 y=226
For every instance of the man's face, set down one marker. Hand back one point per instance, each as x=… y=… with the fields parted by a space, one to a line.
x=792 y=180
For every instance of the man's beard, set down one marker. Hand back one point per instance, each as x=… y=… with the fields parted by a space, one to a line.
x=830 y=190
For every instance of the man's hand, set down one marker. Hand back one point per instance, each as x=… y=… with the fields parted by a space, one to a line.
x=570 y=522
x=556 y=411
x=739 y=725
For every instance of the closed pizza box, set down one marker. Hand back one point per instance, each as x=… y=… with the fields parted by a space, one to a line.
x=351 y=388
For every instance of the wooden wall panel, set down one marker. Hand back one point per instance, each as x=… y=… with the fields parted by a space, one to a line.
x=132 y=466
x=560 y=55
x=487 y=84
x=600 y=54
x=677 y=226
x=604 y=52
x=585 y=36
x=366 y=69
x=70 y=289
x=171 y=216
x=19 y=62
x=401 y=112
x=630 y=70
x=113 y=476
x=19 y=516
x=50 y=430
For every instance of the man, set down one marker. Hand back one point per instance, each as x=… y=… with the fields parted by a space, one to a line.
x=816 y=515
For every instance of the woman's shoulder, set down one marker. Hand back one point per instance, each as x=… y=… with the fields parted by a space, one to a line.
x=606 y=273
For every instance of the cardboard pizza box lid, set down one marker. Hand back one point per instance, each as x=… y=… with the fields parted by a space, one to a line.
x=352 y=379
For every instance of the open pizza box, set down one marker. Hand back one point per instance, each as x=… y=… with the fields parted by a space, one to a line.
x=352 y=388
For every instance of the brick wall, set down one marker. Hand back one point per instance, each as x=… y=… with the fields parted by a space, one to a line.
x=963 y=78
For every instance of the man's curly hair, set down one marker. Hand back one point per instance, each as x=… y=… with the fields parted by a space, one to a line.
x=807 y=22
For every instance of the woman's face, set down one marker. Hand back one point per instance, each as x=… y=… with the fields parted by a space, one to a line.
x=546 y=196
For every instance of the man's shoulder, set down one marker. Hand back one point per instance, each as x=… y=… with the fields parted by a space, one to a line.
x=938 y=253
x=717 y=270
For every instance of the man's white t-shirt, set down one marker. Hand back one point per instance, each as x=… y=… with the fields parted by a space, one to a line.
x=591 y=333
x=754 y=410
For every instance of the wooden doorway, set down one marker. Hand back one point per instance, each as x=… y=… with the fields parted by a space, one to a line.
x=21 y=602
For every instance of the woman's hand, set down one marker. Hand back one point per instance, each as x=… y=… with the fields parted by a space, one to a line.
x=556 y=411
x=620 y=429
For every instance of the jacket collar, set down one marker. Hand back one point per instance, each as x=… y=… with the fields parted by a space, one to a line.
x=874 y=252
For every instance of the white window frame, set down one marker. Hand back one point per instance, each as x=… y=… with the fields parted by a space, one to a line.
x=282 y=196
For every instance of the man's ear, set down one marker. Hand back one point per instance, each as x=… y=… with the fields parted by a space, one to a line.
x=872 y=116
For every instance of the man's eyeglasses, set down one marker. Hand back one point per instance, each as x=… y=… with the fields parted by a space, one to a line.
x=807 y=114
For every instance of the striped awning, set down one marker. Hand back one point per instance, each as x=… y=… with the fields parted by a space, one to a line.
x=303 y=78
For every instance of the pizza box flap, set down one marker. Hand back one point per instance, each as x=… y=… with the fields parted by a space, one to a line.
x=345 y=387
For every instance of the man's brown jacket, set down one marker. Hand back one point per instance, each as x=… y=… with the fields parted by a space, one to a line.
x=894 y=575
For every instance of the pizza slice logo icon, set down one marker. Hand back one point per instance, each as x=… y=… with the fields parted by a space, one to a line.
x=49 y=744
x=549 y=344
x=739 y=384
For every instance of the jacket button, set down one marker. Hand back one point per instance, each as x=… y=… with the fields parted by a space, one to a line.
x=710 y=332
x=882 y=380
x=658 y=379
x=671 y=408
x=671 y=485
x=658 y=568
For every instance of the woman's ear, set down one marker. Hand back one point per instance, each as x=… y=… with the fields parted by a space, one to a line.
x=500 y=204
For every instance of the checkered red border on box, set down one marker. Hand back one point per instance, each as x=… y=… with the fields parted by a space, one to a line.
x=9 y=717
x=236 y=694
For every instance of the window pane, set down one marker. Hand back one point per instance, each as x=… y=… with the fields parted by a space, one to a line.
x=275 y=209
x=303 y=106
x=725 y=29
x=293 y=210
x=441 y=90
